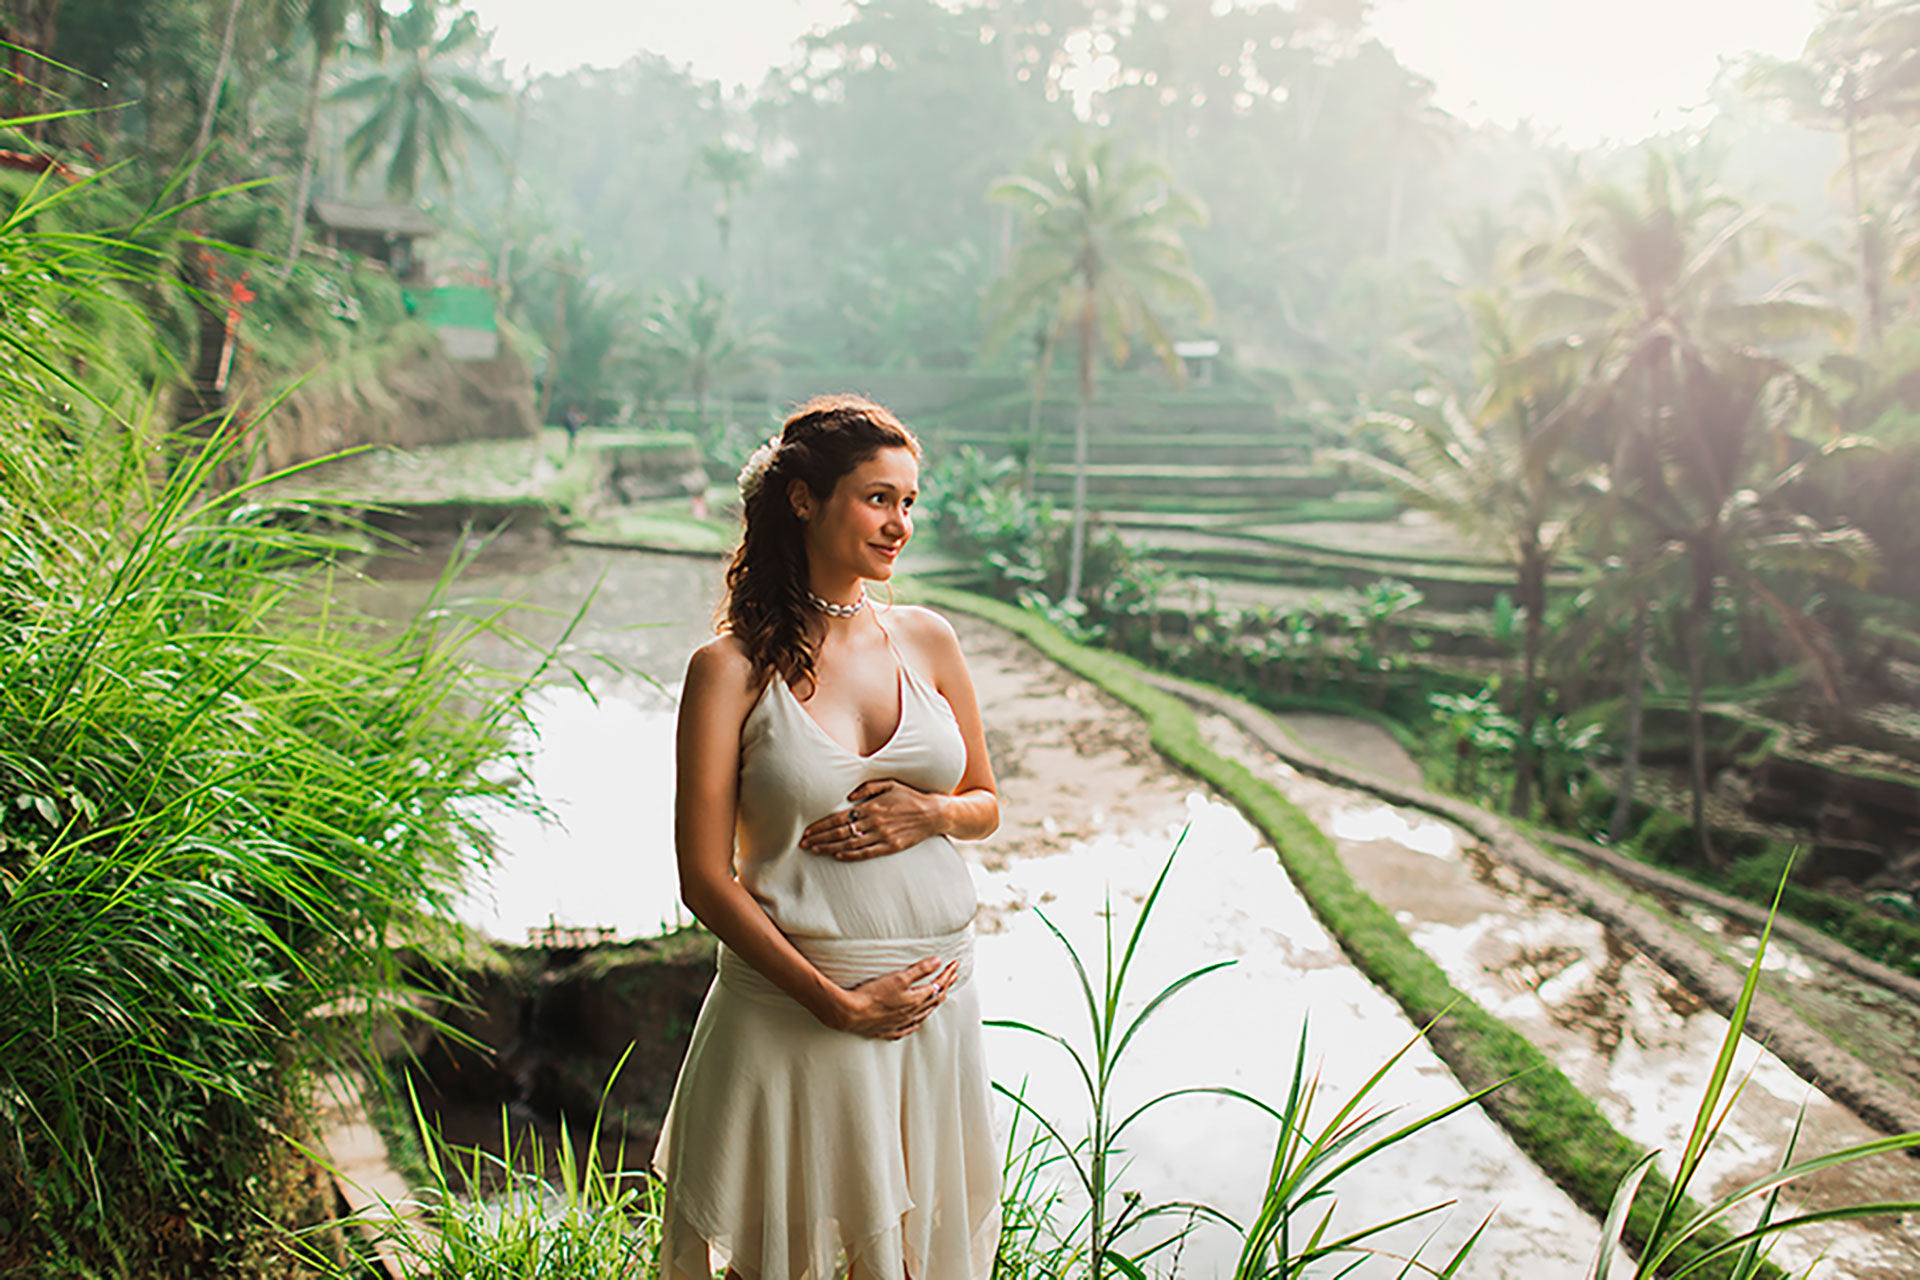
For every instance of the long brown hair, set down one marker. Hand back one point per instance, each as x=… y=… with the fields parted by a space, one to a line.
x=765 y=605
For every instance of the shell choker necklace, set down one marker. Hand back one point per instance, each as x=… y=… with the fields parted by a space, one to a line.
x=833 y=610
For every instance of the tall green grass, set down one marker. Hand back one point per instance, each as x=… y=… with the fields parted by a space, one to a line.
x=222 y=798
x=479 y=1215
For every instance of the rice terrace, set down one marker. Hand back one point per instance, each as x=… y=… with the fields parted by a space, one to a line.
x=1433 y=558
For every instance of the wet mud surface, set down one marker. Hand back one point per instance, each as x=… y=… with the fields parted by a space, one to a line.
x=1620 y=1028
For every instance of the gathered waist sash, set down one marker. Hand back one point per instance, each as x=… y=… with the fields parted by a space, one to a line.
x=851 y=961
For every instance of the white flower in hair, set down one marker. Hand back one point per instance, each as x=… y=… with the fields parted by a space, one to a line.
x=754 y=474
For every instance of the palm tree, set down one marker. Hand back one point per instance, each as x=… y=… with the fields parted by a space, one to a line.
x=325 y=22
x=420 y=99
x=1859 y=63
x=729 y=166
x=1650 y=283
x=1499 y=468
x=1719 y=506
x=1101 y=253
x=694 y=341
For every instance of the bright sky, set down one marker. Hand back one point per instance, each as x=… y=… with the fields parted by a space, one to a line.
x=1584 y=70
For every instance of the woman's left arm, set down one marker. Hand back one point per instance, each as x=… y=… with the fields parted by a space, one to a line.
x=885 y=816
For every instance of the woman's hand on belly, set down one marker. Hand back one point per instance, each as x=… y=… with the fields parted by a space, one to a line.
x=894 y=1005
x=884 y=816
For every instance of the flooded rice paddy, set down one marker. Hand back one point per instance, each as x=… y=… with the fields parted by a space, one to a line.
x=1090 y=815
x=1633 y=1040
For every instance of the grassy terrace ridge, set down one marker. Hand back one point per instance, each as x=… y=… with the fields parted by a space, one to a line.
x=1552 y=1121
x=1173 y=471
x=665 y=526
x=1342 y=507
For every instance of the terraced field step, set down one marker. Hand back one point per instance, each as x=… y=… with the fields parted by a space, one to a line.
x=1147 y=450
x=1201 y=480
x=1446 y=585
x=1350 y=508
x=1262 y=507
x=1387 y=541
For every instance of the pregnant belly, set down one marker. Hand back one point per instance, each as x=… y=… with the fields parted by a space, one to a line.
x=920 y=892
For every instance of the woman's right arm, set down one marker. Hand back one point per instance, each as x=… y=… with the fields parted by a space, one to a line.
x=718 y=696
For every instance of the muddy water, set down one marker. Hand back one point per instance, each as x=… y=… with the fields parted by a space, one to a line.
x=1635 y=1042
x=1227 y=898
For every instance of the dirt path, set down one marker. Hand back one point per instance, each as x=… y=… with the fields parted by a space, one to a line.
x=1071 y=762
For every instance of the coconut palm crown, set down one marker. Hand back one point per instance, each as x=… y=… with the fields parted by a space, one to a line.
x=1100 y=256
x=419 y=97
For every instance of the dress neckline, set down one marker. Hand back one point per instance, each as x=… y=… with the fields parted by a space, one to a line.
x=899 y=724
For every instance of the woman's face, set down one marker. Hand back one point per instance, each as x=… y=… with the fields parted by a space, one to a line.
x=865 y=522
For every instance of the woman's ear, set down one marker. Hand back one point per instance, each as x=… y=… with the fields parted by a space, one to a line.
x=801 y=499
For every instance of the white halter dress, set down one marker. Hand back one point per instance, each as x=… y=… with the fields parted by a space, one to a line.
x=791 y=1150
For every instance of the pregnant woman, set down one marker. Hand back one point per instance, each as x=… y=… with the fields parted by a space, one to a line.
x=832 y=1111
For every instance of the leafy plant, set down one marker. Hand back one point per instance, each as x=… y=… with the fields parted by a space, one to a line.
x=1289 y=1233
x=1674 y=1234
x=497 y=1216
x=222 y=798
x=1477 y=730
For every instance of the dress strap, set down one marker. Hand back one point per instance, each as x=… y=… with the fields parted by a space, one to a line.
x=875 y=610
x=907 y=673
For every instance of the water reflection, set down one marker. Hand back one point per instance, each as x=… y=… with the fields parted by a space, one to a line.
x=1621 y=1029
x=1408 y=830
x=602 y=764
x=1228 y=897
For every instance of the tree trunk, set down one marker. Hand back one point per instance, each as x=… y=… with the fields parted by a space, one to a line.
x=309 y=157
x=1533 y=598
x=502 y=277
x=557 y=352
x=1630 y=749
x=1699 y=615
x=1870 y=302
x=1036 y=439
x=1077 y=548
x=205 y=135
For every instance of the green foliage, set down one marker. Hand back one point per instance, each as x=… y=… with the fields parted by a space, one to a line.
x=1021 y=547
x=221 y=797
x=693 y=339
x=1475 y=730
x=1287 y=1235
x=419 y=97
x=1678 y=1228
x=980 y=511
x=498 y=1217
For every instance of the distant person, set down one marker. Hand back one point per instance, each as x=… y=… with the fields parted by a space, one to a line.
x=832 y=1111
x=574 y=421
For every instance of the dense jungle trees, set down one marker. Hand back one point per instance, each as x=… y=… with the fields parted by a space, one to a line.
x=836 y=214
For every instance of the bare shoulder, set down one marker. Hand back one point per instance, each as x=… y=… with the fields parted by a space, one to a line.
x=720 y=668
x=926 y=630
x=931 y=640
